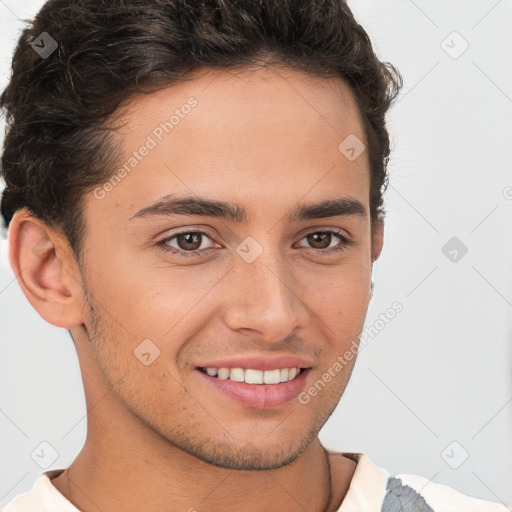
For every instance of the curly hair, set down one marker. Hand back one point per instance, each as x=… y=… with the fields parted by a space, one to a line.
x=59 y=144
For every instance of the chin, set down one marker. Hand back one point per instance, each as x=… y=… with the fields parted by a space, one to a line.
x=249 y=457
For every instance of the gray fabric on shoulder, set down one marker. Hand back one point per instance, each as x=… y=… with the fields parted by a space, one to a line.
x=402 y=498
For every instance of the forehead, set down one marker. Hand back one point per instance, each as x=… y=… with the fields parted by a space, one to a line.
x=246 y=86
x=252 y=135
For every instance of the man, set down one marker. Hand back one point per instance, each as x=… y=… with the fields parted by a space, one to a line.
x=194 y=190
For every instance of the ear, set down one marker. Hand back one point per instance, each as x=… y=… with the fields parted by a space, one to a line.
x=45 y=269
x=377 y=237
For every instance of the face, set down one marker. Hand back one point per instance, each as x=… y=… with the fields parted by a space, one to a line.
x=175 y=287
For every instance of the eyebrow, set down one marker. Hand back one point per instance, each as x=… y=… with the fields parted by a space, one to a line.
x=171 y=205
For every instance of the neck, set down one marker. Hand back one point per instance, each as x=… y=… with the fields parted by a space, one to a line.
x=118 y=480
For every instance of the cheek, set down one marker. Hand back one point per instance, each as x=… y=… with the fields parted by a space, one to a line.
x=340 y=298
x=155 y=302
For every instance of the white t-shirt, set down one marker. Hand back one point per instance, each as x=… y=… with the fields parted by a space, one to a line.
x=372 y=489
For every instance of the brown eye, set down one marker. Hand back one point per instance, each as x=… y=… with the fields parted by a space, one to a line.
x=322 y=241
x=189 y=241
x=319 y=240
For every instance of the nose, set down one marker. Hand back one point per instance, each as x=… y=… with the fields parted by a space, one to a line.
x=266 y=299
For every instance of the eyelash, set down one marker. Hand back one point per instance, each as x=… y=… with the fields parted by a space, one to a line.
x=162 y=244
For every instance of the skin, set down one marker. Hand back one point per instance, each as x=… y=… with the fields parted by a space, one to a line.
x=266 y=138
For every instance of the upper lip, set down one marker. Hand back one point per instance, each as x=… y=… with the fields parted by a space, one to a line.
x=259 y=362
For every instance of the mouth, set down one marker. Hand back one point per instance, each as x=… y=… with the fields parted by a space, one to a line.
x=254 y=376
x=250 y=387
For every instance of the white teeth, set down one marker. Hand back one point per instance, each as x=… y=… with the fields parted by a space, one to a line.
x=252 y=376
x=223 y=373
x=272 y=377
x=236 y=374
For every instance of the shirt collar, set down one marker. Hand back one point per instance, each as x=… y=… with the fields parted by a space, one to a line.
x=368 y=486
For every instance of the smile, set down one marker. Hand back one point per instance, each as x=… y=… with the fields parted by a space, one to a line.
x=252 y=376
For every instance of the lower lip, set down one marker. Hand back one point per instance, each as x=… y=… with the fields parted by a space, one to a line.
x=259 y=396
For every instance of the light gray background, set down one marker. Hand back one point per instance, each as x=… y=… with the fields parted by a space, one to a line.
x=435 y=382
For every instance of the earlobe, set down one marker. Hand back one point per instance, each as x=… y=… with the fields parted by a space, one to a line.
x=41 y=263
